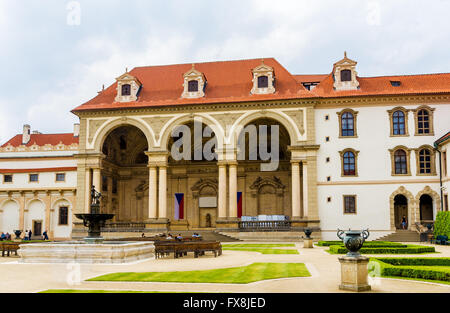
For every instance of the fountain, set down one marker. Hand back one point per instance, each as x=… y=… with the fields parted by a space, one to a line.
x=354 y=271
x=92 y=249
x=94 y=220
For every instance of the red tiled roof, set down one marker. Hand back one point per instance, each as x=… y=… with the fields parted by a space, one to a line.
x=231 y=81
x=442 y=139
x=228 y=81
x=372 y=86
x=310 y=78
x=38 y=170
x=43 y=139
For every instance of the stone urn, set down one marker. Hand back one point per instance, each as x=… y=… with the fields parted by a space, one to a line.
x=17 y=233
x=353 y=240
x=308 y=233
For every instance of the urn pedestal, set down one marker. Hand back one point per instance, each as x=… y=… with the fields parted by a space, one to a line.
x=354 y=273
x=308 y=243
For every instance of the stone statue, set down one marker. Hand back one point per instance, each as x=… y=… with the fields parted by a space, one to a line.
x=95 y=196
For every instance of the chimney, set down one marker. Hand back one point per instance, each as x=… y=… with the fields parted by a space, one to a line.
x=76 y=130
x=26 y=134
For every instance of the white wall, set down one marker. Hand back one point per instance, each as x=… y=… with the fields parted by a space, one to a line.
x=374 y=165
x=36 y=211
x=9 y=218
x=61 y=231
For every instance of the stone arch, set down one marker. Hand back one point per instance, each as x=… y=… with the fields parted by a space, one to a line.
x=269 y=193
x=9 y=216
x=35 y=212
x=280 y=117
x=412 y=218
x=183 y=119
x=434 y=195
x=206 y=189
x=103 y=132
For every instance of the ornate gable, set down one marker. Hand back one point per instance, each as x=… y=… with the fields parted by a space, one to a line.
x=263 y=80
x=127 y=88
x=344 y=74
x=194 y=84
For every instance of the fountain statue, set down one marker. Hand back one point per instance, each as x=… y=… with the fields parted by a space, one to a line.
x=94 y=220
x=92 y=249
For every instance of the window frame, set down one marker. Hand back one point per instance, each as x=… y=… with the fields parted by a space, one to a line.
x=355 y=155
x=407 y=157
x=391 y=121
x=354 y=203
x=60 y=181
x=345 y=71
x=432 y=152
x=266 y=81
x=430 y=112
x=128 y=90
x=33 y=181
x=9 y=175
x=340 y=116
x=197 y=85
x=59 y=216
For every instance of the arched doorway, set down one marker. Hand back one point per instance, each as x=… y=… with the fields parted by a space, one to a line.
x=9 y=217
x=124 y=176
x=265 y=194
x=426 y=208
x=400 y=210
x=192 y=168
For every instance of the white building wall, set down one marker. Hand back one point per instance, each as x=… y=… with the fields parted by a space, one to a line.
x=374 y=165
x=9 y=217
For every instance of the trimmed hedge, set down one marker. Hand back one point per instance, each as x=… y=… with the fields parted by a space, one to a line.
x=409 y=271
x=366 y=243
x=416 y=261
x=442 y=224
x=409 y=249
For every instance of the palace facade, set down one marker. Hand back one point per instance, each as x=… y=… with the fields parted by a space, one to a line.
x=353 y=152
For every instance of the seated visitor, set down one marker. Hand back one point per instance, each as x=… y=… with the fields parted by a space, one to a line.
x=179 y=237
x=8 y=236
x=169 y=236
x=3 y=237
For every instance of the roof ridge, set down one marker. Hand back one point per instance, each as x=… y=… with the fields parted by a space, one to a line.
x=204 y=62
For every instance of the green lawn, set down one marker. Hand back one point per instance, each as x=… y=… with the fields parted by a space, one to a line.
x=262 y=248
x=95 y=291
x=235 y=275
x=257 y=245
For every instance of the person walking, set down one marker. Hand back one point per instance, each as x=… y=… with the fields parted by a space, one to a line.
x=404 y=222
x=44 y=235
x=30 y=234
x=25 y=235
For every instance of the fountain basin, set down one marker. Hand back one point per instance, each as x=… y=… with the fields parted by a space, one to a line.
x=82 y=252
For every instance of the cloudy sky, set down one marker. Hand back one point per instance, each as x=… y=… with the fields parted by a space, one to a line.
x=57 y=54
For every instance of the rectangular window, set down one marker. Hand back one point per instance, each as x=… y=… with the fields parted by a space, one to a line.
x=34 y=177
x=114 y=186
x=444 y=163
x=61 y=177
x=104 y=183
x=63 y=215
x=349 y=204
x=7 y=178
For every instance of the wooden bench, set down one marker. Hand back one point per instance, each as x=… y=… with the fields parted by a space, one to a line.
x=181 y=248
x=8 y=247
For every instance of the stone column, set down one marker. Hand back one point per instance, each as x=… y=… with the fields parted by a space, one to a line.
x=22 y=211
x=222 y=205
x=233 y=189
x=48 y=204
x=87 y=193
x=163 y=191
x=152 y=193
x=295 y=168
x=305 y=188
x=97 y=179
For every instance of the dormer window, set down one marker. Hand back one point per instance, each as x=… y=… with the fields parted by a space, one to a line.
x=263 y=80
x=194 y=84
x=128 y=88
x=345 y=75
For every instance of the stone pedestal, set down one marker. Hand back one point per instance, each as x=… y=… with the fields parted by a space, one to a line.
x=354 y=273
x=229 y=224
x=161 y=224
x=308 y=243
